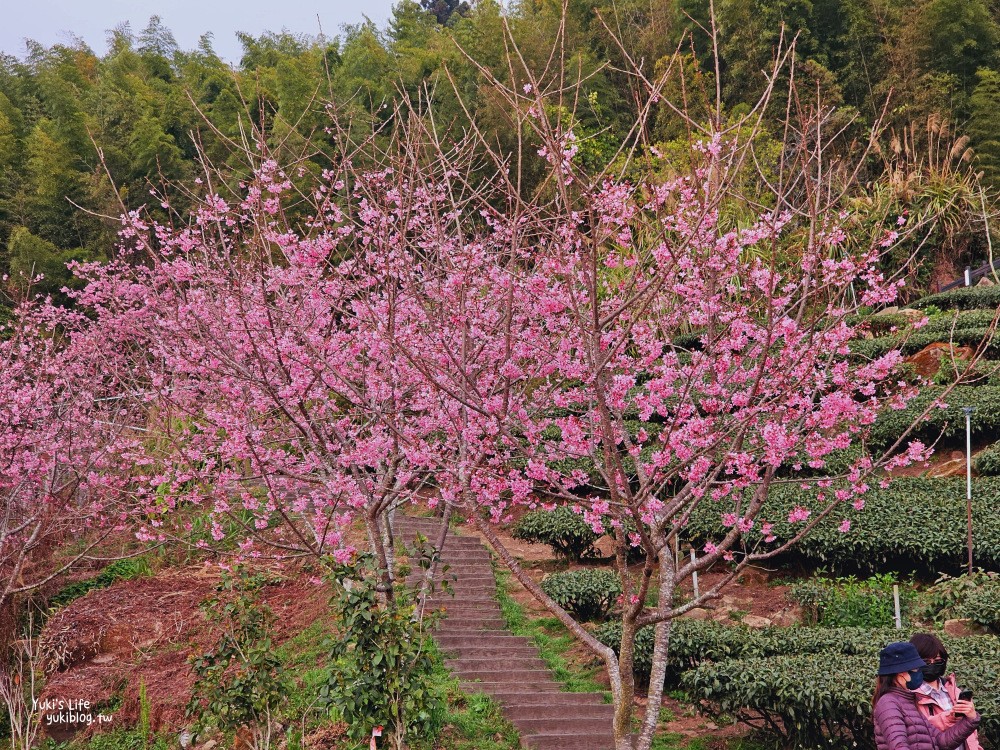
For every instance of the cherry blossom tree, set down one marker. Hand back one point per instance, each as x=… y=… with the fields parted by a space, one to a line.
x=636 y=354
x=632 y=345
x=64 y=431
x=281 y=409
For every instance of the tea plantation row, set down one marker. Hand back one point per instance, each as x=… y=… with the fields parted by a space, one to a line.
x=804 y=684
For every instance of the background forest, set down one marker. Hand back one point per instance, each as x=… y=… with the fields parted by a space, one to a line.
x=81 y=131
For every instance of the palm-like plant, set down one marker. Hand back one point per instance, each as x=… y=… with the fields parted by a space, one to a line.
x=927 y=176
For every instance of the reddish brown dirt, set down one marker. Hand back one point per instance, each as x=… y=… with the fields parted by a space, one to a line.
x=142 y=631
x=928 y=360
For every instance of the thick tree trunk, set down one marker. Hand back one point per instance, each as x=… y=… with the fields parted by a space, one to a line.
x=624 y=709
x=661 y=647
x=385 y=573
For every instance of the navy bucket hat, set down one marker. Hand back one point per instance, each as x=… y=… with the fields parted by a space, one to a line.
x=899 y=657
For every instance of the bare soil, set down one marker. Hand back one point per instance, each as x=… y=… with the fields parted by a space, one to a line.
x=101 y=647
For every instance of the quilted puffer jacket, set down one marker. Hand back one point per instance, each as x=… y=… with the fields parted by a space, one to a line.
x=944 y=719
x=899 y=725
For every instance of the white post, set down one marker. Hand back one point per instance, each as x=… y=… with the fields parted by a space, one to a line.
x=694 y=575
x=968 y=479
x=895 y=601
x=968 y=277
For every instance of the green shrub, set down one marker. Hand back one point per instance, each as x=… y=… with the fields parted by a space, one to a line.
x=984 y=607
x=563 y=530
x=693 y=642
x=976 y=661
x=805 y=700
x=589 y=594
x=975 y=596
x=824 y=699
x=963 y=298
x=847 y=601
x=912 y=342
x=914 y=524
x=884 y=323
x=948 y=423
x=384 y=661
x=801 y=684
x=240 y=681
x=987 y=463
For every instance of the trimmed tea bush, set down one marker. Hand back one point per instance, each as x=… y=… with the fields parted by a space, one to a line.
x=987 y=463
x=694 y=642
x=799 y=684
x=948 y=422
x=963 y=298
x=914 y=524
x=589 y=594
x=563 y=530
x=802 y=698
x=912 y=342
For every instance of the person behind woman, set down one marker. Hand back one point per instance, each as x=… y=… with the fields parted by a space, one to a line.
x=899 y=725
x=938 y=695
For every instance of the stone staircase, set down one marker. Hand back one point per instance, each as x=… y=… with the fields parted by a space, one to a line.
x=489 y=659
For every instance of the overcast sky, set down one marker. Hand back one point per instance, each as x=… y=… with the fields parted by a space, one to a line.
x=57 y=21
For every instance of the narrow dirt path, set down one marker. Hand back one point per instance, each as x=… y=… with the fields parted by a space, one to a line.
x=489 y=659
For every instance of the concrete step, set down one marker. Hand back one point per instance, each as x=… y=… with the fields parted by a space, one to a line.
x=501 y=690
x=471 y=590
x=508 y=676
x=516 y=700
x=557 y=741
x=474 y=616
x=554 y=724
x=463 y=664
x=476 y=570
x=462 y=607
x=452 y=541
x=468 y=626
x=487 y=658
x=464 y=599
x=500 y=654
x=546 y=711
x=484 y=628
x=458 y=583
x=452 y=643
x=477 y=620
x=486 y=610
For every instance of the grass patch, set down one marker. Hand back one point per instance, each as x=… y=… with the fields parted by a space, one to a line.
x=117 y=739
x=120 y=570
x=553 y=641
x=305 y=657
x=473 y=721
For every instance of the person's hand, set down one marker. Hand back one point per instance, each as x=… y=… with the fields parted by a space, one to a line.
x=967 y=708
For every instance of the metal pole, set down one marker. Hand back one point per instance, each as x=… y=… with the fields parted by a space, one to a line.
x=968 y=477
x=968 y=277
